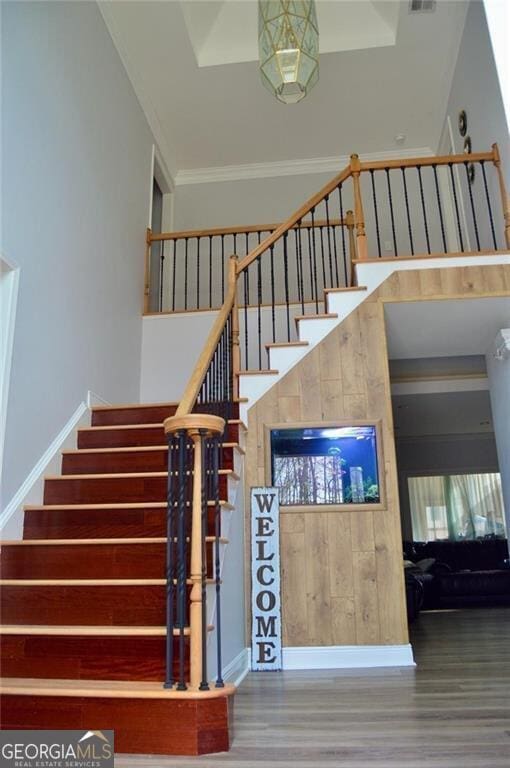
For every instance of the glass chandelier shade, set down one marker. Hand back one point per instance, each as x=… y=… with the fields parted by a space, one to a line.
x=288 y=47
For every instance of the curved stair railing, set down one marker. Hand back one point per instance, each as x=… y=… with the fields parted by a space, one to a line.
x=427 y=206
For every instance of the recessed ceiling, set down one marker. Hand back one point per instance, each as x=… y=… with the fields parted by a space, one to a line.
x=213 y=116
x=447 y=328
x=226 y=32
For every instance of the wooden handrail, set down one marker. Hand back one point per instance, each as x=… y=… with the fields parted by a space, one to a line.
x=410 y=162
x=190 y=395
x=293 y=220
x=250 y=229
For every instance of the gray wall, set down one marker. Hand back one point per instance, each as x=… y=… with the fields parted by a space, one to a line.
x=441 y=454
x=75 y=198
x=498 y=371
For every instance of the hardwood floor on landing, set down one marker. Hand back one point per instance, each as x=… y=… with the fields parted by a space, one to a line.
x=452 y=711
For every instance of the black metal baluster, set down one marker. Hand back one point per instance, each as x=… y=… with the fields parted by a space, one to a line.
x=470 y=190
x=328 y=230
x=197 y=261
x=376 y=213
x=459 y=228
x=170 y=565
x=259 y=302
x=298 y=276
x=321 y=235
x=204 y=685
x=392 y=217
x=422 y=196
x=247 y=242
x=273 y=319
x=182 y=480
x=315 y=262
x=310 y=267
x=174 y=269
x=440 y=210
x=286 y=279
x=342 y=227
x=210 y=271
x=491 y=218
x=406 y=198
x=161 y=273
x=300 y=257
x=186 y=274
x=217 y=564
x=245 y=286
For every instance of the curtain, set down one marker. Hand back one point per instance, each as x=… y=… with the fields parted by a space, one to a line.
x=456 y=506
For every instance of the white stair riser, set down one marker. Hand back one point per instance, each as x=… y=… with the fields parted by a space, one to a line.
x=345 y=302
x=314 y=331
x=254 y=387
x=281 y=358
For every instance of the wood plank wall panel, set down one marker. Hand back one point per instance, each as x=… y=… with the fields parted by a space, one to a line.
x=342 y=579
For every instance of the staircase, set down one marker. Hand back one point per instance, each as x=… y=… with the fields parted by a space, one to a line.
x=83 y=596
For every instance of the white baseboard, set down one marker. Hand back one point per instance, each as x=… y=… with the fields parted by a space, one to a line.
x=31 y=490
x=93 y=399
x=238 y=668
x=347 y=656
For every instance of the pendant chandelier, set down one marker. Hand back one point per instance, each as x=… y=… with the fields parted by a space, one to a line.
x=288 y=47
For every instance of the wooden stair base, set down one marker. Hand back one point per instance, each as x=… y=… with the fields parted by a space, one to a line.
x=175 y=723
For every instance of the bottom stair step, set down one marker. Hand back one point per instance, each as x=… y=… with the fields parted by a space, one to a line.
x=145 y=717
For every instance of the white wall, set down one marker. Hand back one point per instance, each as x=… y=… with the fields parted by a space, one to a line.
x=475 y=88
x=498 y=371
x=75 y=197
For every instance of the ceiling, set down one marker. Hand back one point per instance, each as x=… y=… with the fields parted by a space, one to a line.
x=449 y=328
x=378 y=79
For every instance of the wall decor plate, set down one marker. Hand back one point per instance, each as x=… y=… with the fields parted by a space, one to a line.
x=462 y=122
x=467 y=145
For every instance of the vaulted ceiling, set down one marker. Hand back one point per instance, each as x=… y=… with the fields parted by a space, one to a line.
x=383 y=71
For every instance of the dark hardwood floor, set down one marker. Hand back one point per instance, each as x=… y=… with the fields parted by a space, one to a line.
x=452 y=711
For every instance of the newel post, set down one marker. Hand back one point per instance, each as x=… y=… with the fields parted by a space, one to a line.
x=359 y=219
x=146 y=287
x=505 y=199
x=236 y=349
x=199 y=427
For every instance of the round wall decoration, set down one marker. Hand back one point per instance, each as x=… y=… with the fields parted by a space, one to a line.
x=462 y=122
x=467 y=145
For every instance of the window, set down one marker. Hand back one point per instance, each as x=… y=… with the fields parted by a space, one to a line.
x=456 y=506
x=325 y=465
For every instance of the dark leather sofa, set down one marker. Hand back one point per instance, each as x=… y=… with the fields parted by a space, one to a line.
x=463 y=573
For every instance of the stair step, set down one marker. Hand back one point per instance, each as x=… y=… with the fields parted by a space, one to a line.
x=139 y=413
x=110 y=602
x=138 y=435
x=126 y=487
x=85 y=655
x=86 y=521
x=132 y=459
x=82 y=559
x=320 y=316
x=146 y=718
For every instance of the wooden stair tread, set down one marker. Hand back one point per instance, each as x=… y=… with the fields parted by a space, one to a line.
x=86 y=542
x=90 y=582
x=267 y=371
x=117 y=505
x=72 y=630
x=158 y=424
x=346 y=290
x=125 y=475
x=29 y=686
x=135 y=449
x=285 y=344
x=121 y=406
x=320 y=316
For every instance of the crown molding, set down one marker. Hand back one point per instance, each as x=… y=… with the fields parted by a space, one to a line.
x=288 y=167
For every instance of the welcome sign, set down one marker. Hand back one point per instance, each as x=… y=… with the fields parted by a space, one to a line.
x=266 y=641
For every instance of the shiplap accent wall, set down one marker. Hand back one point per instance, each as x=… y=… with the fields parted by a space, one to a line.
x=342 y=575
